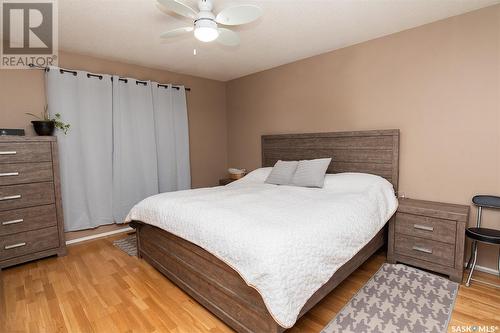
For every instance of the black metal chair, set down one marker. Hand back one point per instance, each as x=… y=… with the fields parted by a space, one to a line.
x=478 y=234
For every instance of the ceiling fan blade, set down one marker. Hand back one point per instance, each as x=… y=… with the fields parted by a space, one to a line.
x=179 y=8
x=228 y=37
x=240 y=14
x=176 y=32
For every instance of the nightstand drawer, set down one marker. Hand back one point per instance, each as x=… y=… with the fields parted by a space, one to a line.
x=26 y=219
x=425 y=249
x=22 y=173
x=426 y=227
x=19 y=152
x=28 y=242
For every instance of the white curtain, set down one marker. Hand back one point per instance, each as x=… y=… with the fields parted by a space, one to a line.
x=128 y=140
x=85 y=153
x=135 y=171
x=172 y=137
x=181 y=138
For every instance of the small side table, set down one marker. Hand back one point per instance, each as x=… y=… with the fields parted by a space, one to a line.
x=429 y=235
x=226 y=181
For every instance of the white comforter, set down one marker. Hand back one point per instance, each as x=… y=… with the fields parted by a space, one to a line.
x=284 y=241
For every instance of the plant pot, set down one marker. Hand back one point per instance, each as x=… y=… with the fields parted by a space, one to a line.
x=43 y=127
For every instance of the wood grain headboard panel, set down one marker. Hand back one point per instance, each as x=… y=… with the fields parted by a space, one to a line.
x=375 y=152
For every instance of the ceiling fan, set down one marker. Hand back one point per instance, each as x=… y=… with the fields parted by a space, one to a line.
x=205 y=24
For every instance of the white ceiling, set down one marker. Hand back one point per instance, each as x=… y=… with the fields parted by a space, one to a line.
x=128 y=31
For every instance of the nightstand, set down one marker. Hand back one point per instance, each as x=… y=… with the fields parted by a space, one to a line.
x=226 y=181
x=429 y=235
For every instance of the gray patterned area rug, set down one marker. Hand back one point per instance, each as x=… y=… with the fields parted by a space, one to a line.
x=398 y=298
x=127 y=245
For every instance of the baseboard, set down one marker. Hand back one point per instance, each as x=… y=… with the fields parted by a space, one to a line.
x=484 y=269
x=487 y=270
x=102 y=234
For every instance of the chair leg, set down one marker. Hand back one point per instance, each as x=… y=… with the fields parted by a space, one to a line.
x=473 y=264
x=499 y=262
x=471 y=255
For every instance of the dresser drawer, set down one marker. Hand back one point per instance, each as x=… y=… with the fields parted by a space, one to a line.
x=425 y=249
x=26 y=219
x=22 y=173
x=19 y=152
x=426 y=227
x=27 y=195
x=28 y=242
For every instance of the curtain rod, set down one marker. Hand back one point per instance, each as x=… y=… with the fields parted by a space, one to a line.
x=100 y=77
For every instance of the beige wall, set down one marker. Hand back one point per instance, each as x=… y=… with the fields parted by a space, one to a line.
x=23 y=91
x=438 y=83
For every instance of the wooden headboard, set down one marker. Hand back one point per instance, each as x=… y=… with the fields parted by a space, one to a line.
x=375 y=152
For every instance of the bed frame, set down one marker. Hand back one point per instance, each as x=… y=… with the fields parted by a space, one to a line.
x=217 y=286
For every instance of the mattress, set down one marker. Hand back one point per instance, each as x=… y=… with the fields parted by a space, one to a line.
x=284 y=241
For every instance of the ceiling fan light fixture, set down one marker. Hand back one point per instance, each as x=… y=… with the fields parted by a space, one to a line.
x=205 y=26
x=205 y=30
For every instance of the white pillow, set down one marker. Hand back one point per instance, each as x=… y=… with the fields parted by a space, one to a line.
x=311 y=173
x=282 y=172
x=256 y=176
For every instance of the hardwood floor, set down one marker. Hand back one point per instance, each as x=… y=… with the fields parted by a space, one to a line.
x=98 y=288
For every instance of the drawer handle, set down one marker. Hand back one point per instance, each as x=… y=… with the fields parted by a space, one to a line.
x=12 y=222
x=423 y=227
x=10 y=197
x=13 y=246
x=422 y=249
x=7 y=174
x=8 y=152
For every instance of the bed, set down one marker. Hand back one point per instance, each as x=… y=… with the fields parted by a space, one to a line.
x=228 y=290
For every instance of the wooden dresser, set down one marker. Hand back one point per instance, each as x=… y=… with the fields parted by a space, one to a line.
x=429 y=235
x=31 y=217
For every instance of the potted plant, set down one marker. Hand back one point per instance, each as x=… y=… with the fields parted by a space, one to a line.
x=45 y=125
